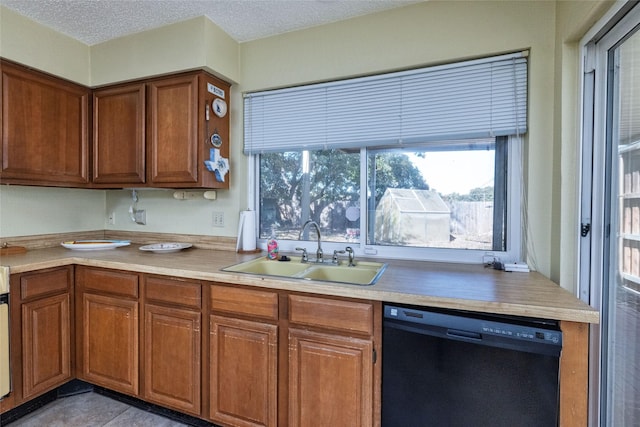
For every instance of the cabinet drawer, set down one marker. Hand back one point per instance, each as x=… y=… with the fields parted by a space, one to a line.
x=174 y=291
x=245 y=301
x=108 y=281
x=45 y=283
x=332 y=314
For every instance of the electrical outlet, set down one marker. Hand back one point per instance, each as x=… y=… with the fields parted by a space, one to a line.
x=141 y=217
x=111 y=220
x=217 y=219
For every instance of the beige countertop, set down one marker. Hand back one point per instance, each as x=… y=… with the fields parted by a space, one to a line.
x=445 y=285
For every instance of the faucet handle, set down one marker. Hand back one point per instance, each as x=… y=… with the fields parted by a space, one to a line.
x=305 y=257
x=335 y=256
x=349 y=250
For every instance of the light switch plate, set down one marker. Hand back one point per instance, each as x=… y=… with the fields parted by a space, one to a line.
x=141 y=217
x=217 y=219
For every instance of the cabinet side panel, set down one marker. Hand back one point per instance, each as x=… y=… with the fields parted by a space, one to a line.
x=574 y=374
x=215 y=129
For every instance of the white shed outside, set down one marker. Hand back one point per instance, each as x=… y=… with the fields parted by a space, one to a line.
x=412 y=217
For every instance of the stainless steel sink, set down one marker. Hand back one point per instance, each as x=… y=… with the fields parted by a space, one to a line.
x=364 y=272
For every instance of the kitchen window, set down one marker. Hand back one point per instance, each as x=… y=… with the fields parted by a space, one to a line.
x=421 y=164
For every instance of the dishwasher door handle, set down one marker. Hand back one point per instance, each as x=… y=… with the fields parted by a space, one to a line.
x=464 y=335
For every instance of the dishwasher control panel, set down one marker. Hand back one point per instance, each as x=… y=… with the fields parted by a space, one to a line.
x=522 y=332
x=494 y=330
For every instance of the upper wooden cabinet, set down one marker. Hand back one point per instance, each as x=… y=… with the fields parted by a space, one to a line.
x=45 y=129
x=156 y=132
x=172 y=137
x=119 y=135
x=159 y=133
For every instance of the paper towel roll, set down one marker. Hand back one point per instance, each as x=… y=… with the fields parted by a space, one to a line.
x=247 y=232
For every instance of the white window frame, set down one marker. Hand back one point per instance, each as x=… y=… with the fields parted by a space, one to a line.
x=515 y=209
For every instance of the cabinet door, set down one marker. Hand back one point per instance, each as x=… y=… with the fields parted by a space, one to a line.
x=172 y=136
x=110 y=342
x=172 y=355
x=45 y=138
x=46 y=344
x=243 y=375
x=330 y=380
x=119 y=135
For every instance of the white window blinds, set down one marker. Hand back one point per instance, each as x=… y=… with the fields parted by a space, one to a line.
x=472 y=99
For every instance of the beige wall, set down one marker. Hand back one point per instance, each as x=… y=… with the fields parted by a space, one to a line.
x=427 y=33
x=191 y=44
x=431 y=33
x=27 y=211
x=28 y=42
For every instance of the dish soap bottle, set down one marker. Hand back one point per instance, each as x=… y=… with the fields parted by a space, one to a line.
x=272 y=246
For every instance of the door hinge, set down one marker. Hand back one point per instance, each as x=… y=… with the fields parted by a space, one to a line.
x=585 y=227
x=375 y=356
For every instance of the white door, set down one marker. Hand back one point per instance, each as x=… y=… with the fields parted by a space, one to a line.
x=612 y=264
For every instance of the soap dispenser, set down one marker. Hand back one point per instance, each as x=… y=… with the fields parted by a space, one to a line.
x=272 y=245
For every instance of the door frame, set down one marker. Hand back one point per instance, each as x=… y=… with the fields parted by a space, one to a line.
x=593 y=252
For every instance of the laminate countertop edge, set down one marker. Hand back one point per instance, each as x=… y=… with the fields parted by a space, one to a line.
x=429 y=284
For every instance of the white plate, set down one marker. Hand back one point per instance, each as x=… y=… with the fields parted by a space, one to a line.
x=165 y=247
x=94 y=245
x=219 y=107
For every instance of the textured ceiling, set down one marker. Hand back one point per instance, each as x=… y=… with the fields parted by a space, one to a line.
x=96 y=21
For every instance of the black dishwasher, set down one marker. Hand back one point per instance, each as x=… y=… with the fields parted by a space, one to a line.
x=446 y=368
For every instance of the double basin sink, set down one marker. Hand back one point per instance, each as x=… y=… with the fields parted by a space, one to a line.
x=363 y=273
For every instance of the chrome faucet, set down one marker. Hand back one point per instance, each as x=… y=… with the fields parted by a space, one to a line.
x=319 y=253
x=349 y=250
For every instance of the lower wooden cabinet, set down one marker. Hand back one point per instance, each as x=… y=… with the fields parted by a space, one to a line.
x=315 y=354
x=331 y=362
x=243 y=357
x=108 y=326
x=330 y=380
x=110 y=342
x=172 y=344
x=45 y=330
x=243 y=372
x=233 y=355
x=46 y=344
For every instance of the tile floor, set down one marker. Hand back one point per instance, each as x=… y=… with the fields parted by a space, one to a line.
x=91 y=410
